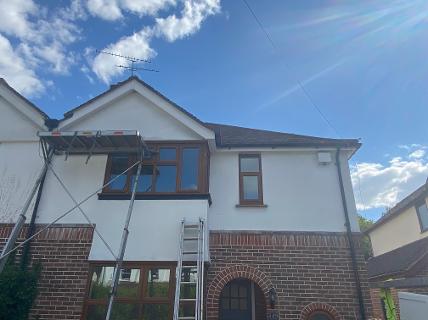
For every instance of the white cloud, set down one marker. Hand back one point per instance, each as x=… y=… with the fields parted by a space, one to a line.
x=14 y=16
x=417 y=154
x=136 y=45
x=192 y=15
x=194 y=12
x=18 y=74
x=113 y=9
x=380 y=186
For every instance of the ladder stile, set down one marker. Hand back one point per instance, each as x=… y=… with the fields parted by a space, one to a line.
x=198 y=255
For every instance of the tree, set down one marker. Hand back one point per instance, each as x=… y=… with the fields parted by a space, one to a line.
x=365 y=242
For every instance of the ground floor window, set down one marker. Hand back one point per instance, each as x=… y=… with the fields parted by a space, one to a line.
x=320 y=315
x=145 y=292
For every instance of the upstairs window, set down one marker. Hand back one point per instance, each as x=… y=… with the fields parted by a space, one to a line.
x=180 y=168
x=422 y=211
x=250 y=179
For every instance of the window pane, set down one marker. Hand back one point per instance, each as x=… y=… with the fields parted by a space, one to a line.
x=166 y=178
x=101 y=281
x=190 y=169
x=423 y=215
x=158 y=282
x=129 y=283
x=167 y=154
x=96 y=312
x=155 y=312
x=250 y=164
x=234 y=303
x=119 y=163
x=187 y=310
x=188 y=291
x=125 y=311
x=251 y=187
x=145 y=180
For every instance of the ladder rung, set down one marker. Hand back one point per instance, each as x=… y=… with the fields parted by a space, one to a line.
x=187 y=282
x=191 y=226
x=188 y=300
x=191 y=238
x=190 y=252
x=186 y=318
x=188 y=267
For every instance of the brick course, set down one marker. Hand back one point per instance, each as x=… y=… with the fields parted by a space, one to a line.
x=305 y=269
x=63 y=252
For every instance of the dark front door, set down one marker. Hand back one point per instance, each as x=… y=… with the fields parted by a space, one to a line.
x=235 y=301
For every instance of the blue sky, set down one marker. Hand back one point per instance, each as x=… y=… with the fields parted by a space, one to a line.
x=362 y=62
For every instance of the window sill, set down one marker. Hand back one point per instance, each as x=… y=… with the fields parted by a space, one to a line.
x=251 y=205
x=139 y=196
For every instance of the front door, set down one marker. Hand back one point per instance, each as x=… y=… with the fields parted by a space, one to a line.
x=236 y=301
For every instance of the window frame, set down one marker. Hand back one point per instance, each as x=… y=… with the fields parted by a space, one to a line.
x=323 y=312
x=203 y=172
x=259 y=175
x=141 y=299
x=417 y=206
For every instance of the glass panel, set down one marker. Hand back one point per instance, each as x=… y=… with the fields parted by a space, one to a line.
x=250 y=164
x=225 y=304
x=234 y=289
x=129 y=283
x=125 y=311
x=190 y=169
x=96 y=312
x=119 y=163
x=167 y=154
x=187 y=310
x=145 y=180
x=155 y=312
x=188 y=291
x=189 y=275
x=251 y=187
x=242 y=291
x=423 y=216
x=243 y=304
x=101 y=281
x=158 y=282
x=166 y=178
x=234 y=303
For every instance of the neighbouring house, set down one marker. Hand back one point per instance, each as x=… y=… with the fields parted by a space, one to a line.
x=400 y=253
x=282 y=238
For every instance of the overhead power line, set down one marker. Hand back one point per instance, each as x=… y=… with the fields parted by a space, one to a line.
x=300 y=84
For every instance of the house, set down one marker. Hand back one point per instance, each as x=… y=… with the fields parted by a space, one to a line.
x=400 y=253
x=282 y=238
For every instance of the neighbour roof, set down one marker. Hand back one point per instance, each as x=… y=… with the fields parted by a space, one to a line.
x=398 y=260
x=409 y=201
x=32 y=105
x=228 y=136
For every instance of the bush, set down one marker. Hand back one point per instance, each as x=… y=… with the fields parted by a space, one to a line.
x=18 y=289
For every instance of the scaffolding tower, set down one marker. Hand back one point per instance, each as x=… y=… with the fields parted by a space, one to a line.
x=88 y=143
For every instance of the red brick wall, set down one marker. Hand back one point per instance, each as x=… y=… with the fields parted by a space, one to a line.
x=63 y=252
x=305 y=269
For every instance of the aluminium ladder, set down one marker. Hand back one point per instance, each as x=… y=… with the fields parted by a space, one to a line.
x=189 y=287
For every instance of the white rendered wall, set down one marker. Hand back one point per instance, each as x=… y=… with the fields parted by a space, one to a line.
x=155 y=224
x=397 y=232
x=134 y=112
x=300 y=194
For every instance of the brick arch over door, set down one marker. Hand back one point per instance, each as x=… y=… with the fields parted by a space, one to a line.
x=312 y=307
x=228 y=274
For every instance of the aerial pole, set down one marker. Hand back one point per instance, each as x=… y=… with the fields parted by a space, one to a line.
x=125 y=233
x=131 y=60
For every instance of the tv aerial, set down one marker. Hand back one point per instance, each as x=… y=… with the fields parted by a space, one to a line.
x=132 y=60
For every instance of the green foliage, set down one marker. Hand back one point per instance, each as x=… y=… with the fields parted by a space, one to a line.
x=366 y=244
x=18 y=289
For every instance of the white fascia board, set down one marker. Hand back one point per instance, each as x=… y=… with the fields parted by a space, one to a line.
x=23 y=107
x=282 y=149
x=134 y=85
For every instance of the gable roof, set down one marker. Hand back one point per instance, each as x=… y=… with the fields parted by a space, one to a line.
x=397 y=261
x=113 y=87
x=22 y=104
x=228 y=136
x=412 y=199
